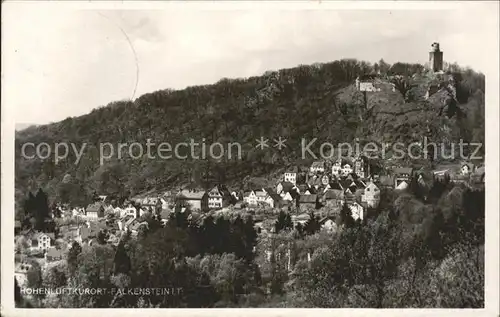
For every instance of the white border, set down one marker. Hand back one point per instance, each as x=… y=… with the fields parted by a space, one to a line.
x=492 y=163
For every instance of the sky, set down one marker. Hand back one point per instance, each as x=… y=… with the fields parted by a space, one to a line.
x=62 y=61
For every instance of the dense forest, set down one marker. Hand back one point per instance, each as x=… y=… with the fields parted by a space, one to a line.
x=315 y=101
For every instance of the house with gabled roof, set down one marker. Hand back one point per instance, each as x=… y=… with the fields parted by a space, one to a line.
x=337 y=167
x=402 y=174
x=39 y=241
x=328 y=223
x=214 y=198
x=250 y=198
x=325 y=180
x=347 y=168
x=357 y=211
x=335 y=184
x=290 y=175
x=402 y=185
x=302 y=188
x=284 y=187
x=332 y=198
x=260 y=194
x=289 y=197
x=308 y=202
x=95 y=211
x=317 y=167
x=194 y=199
x=371 y=195
x=272 y=198
x=360 y=167
x=466 y=168
x=153 y=203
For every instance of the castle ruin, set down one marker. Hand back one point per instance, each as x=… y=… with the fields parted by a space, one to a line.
x=436 y=58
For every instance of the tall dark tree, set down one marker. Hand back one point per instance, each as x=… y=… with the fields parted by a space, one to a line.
x=102 y=237
x=72 y=260
x=346 y=216
x=284 y=222
x=250 y=238
x=122 y=260
x=41 y=210
x=312 y=225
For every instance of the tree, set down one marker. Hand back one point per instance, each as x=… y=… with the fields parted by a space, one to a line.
x=284 y=222
x=346 y=216
x=18 y=298
x=72 y=259
x=403 y=85
x=121 y=260
x=34 y=278
x=312 y=225
x=55 y=276
x=42 y=210
x=459 y=280
x=383 y=66
x=102 y=237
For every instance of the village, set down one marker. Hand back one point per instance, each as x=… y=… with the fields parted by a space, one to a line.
x=320 y=190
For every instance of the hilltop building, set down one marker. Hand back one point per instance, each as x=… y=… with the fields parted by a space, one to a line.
x=435 y=58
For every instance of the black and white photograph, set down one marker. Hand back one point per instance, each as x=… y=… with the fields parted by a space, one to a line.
x=250 y=155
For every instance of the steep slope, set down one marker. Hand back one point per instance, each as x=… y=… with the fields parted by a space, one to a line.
x=307 y=102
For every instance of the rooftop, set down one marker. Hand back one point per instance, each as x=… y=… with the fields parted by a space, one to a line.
x=190 y=194
x=308 y=198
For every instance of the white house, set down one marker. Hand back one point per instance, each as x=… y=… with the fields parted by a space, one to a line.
x=214 y=198
x=95 y=211
x=402 y=185
x=337 y=168
x=368 y=86
x=467 y=168
x=356 y=211
x=260 y=195
x=291 y=175
x=39 y=241
x=328 y=225
x=359 y=167
x=346 y=169
x=325 y=180
x=371 y=195
x=250 y=198
x=131 y=211
x=287 y=197
x=317 y=167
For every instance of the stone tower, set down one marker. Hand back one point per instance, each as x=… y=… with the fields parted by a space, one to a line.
x=435 y=58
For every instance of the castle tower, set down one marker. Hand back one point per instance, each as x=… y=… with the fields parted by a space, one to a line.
x=435 y=58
